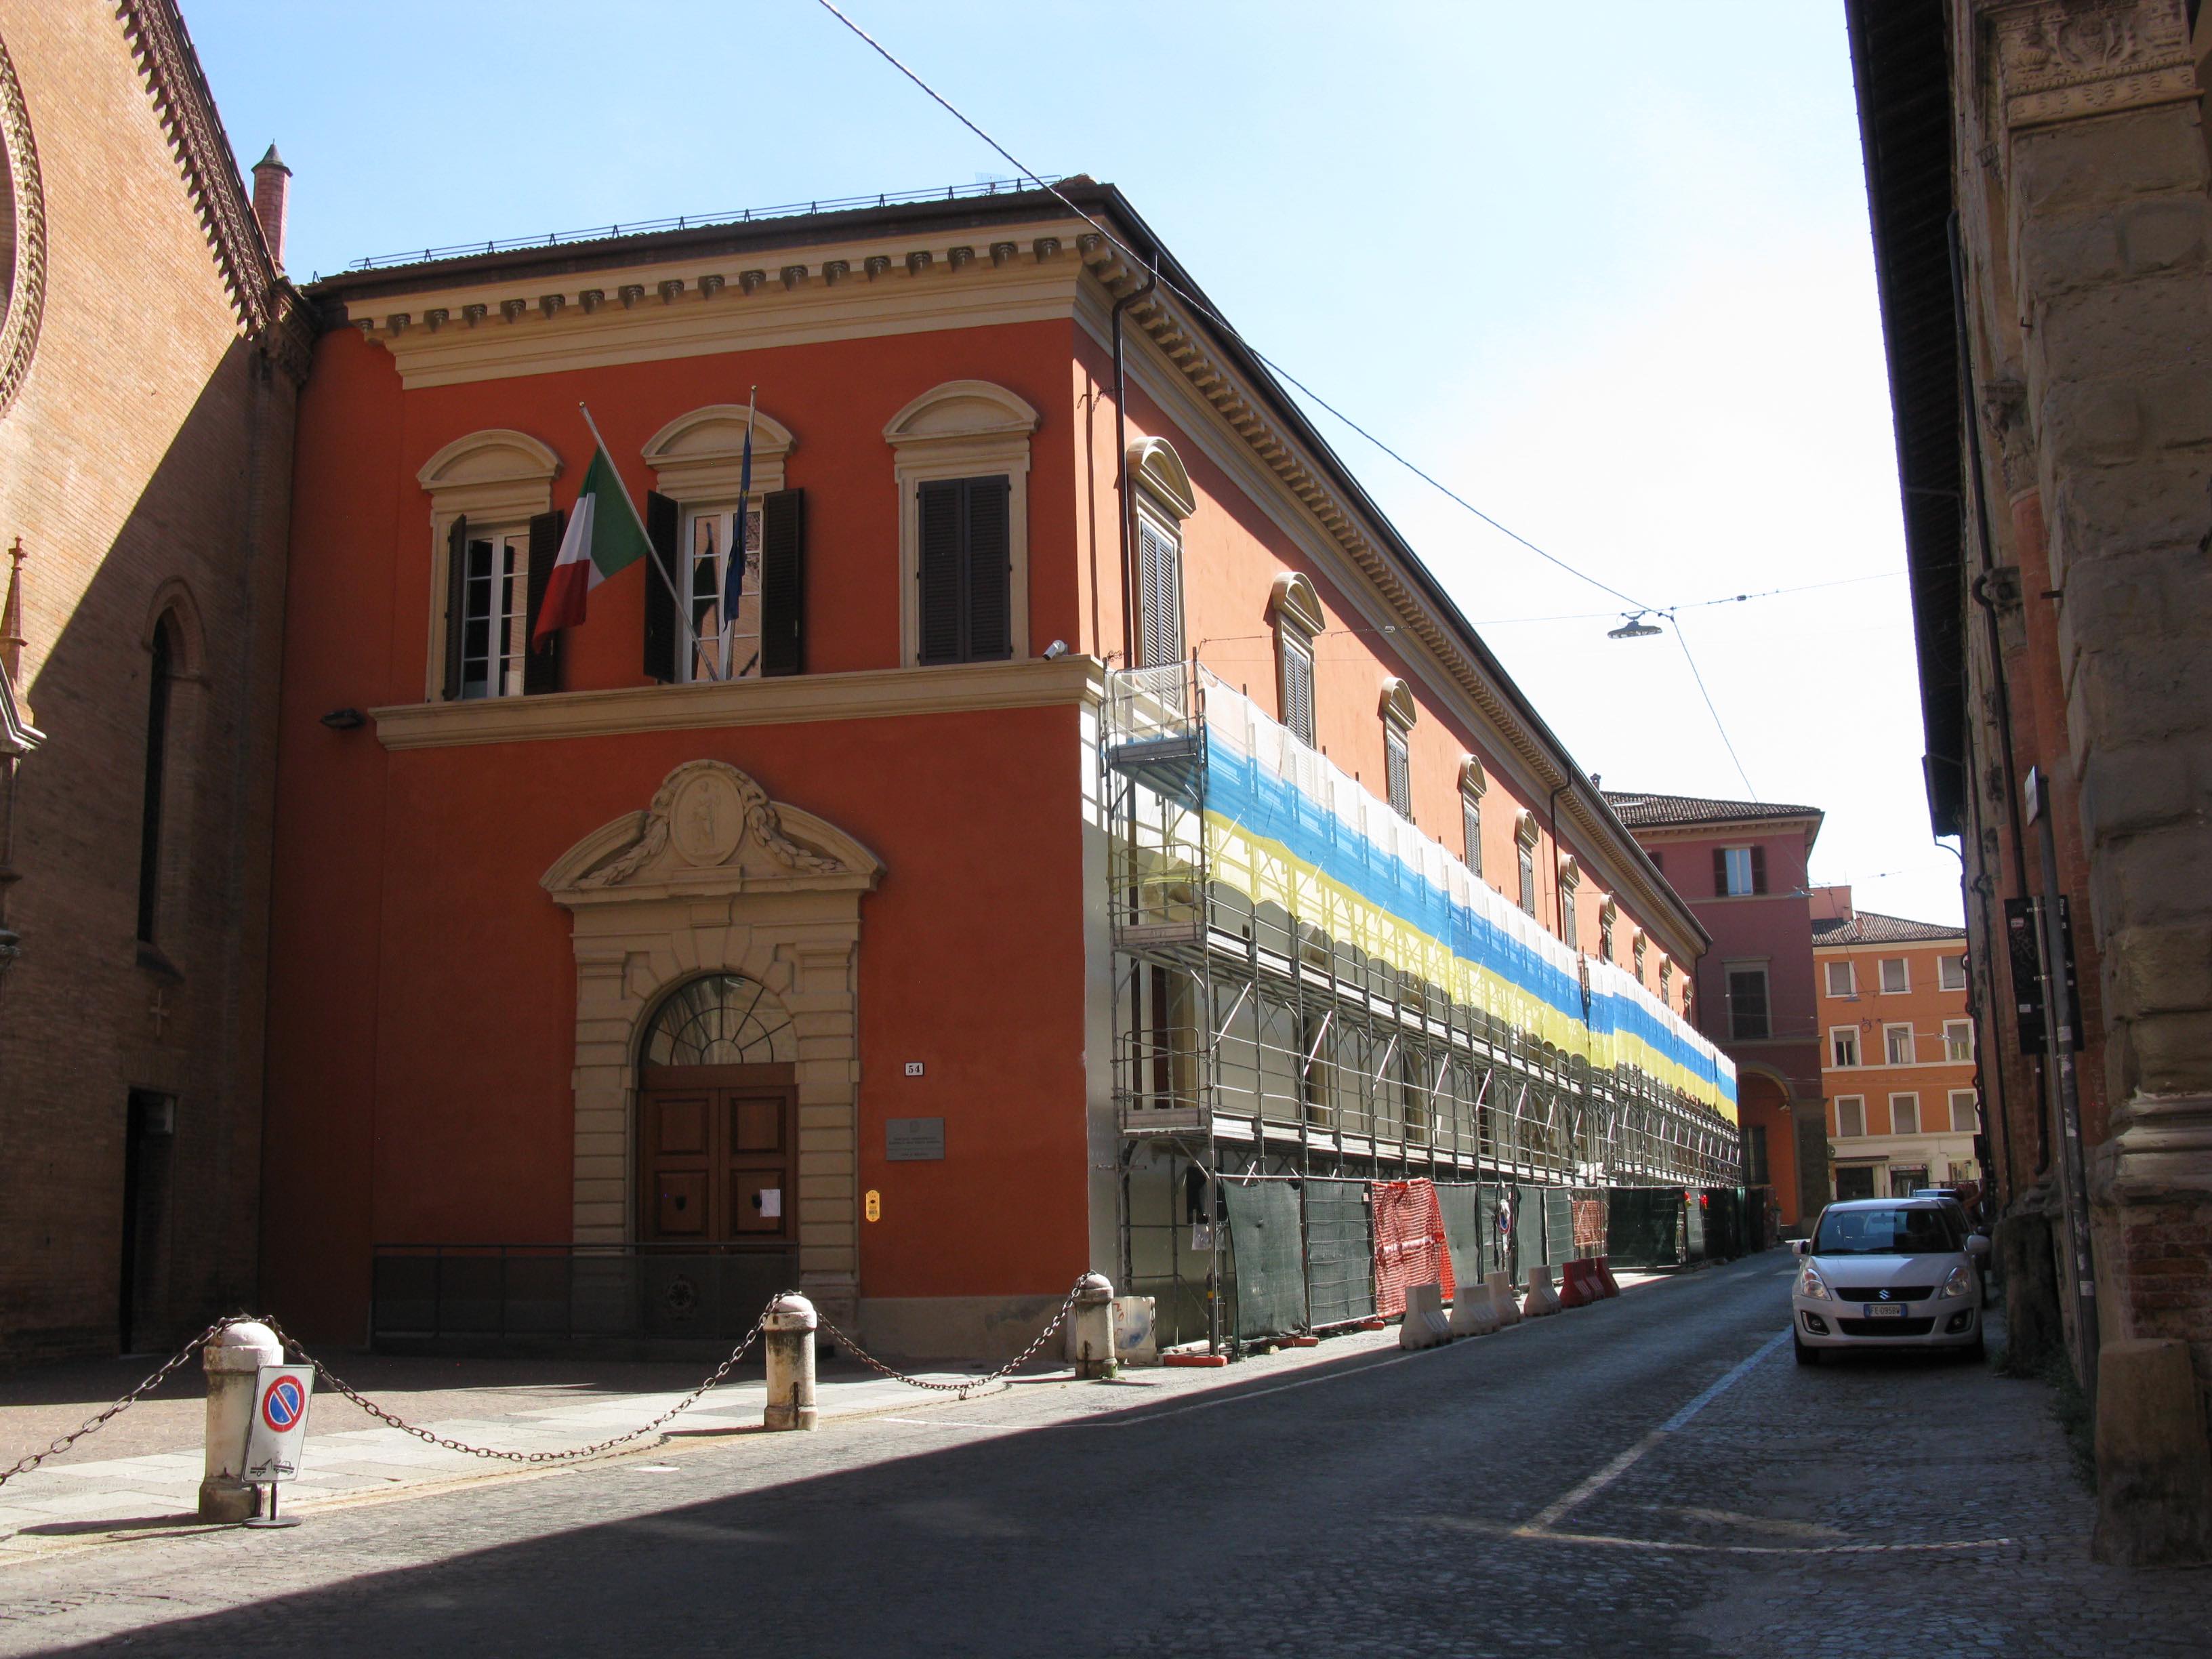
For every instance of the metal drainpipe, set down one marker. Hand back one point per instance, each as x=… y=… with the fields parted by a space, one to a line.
x=1122 y=471
x=1995 y=644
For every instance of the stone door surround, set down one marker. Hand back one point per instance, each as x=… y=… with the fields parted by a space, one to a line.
x=714 y=876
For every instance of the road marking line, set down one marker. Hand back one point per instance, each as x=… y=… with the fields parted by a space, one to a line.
x=1583 y=1491
x=944 y=1423
x=1531 y=1534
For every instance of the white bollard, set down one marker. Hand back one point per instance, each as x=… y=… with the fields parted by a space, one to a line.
x=1502 y=1297
x=1542 y=1299
x=1091 y=1327
x=1472 y=1314
x=787 y=1334
x=232 y=1360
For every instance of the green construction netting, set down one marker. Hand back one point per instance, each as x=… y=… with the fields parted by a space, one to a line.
x=1528 y=1231
x=1558 y=1227
x=1462 y=1203
x=1339 y=1251
x=1643 y=1226
x=1263 y=1229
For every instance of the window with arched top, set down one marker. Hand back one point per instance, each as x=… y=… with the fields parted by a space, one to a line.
x=495 y=539
x=962 y=463
x=165 y=663
x=724 y=1020
x=1399 y=713
x=1294 y=610
x=1474 y=784
x=1161 y=498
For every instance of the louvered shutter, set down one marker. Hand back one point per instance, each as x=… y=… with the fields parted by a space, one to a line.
x=662 y=524
x=1298 y=690
x=1470 y=817
x=989 y=571
x=1397 y=772
x=457 y=576
x=1159 y=597
x=783 y=582
x=1758 y=869
x=937 y=514
x=541 y=670
x=1720 y=870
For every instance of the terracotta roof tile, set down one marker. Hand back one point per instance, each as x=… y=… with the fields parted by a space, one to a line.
x=1872 y=927
x=1643 y=810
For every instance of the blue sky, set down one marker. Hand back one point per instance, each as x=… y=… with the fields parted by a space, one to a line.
x=1610 y=281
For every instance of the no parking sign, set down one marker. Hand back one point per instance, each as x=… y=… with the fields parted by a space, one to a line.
x=281 y=1393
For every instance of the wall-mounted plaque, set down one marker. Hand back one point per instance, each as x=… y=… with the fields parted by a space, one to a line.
x=913 y=1139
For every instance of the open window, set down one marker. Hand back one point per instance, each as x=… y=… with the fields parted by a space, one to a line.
x=1295 y=613
x=496 y=537
x=698 y=461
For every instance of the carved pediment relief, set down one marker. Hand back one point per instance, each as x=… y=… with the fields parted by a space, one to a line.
x=710 y=829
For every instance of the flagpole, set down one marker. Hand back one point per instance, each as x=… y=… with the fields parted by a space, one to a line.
x=738 y=552
x=682 y=609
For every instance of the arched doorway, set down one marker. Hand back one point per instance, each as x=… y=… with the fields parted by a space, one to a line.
x=718 y=1092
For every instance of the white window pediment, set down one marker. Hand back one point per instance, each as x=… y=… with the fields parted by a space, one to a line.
x=701 y=456
x=1157 y=471
x=963 y=429
x=496 y=472
x=967 y=415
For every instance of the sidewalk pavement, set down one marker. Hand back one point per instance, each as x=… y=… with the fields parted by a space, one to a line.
x=142 y=1472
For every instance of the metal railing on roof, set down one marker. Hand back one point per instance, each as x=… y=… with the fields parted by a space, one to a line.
x=697 y=222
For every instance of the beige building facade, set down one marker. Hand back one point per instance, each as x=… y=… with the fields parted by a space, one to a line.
x=2038 y=176
x=149 y=360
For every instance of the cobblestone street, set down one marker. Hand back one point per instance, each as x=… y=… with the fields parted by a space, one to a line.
x=1651 y=1476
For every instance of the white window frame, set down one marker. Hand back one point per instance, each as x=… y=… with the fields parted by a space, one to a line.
x=1398 y=711
x=1731 y=857
x=698 y=462
x=1912 y=1046
x=1911 y=1098
x=1950 y=973
x=1838 y=1035
x=961 y=429
x=1161 y=500
x=1295 y=613
x=1958 y=1040
x=1608 y=913
x=1904 y=965
x=1856 y=1103
x=1973 y=1112
x=1850 y=977
x=514 y=541
x=497 y=478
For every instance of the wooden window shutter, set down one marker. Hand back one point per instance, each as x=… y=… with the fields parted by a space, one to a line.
x=783 y=582
x=1397 y=772
x=663 y=522
x=938 y=514
x=457 y=570
x=1720 y=870
x=1298 y=690
x=1758 y=869
x=1159 y=597
x=541 y=670
x=990 y=570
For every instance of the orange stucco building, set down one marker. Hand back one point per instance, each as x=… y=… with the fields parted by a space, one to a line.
x=801 y=951
x=1897 y=1060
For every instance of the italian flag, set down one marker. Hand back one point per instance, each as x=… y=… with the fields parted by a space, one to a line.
x=604 y=535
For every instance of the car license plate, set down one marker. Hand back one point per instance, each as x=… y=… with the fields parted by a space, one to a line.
x=1885 y=1310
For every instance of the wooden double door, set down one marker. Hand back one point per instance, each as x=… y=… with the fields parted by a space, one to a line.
x=715 y=1154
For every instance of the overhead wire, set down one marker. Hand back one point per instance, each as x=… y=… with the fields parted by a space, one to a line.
x=1218 y=321
x=1693 y=605
x=1275 y=368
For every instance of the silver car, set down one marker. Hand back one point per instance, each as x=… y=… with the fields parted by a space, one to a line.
x=1888 y=1273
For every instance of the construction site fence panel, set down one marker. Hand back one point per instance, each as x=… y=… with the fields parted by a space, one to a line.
x=1645 y=1226
x=1266 y=1240
x=1339 y=1251
x=1410 y=1248
x=1461 y=1203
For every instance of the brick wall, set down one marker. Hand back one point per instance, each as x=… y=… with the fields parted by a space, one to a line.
x=144 y=465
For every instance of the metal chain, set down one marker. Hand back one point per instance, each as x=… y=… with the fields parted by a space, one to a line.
x=333 y=1381
x=570 y=1455
x=962 y=1388
x=93 y=1425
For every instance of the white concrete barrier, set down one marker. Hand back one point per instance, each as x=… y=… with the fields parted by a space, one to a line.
x=1502 y=1298
x=1473 y=1313
x=1425 y=1326
x=1542 y=1299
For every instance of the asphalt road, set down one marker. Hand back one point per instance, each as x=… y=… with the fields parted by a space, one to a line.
x=1653 y=1476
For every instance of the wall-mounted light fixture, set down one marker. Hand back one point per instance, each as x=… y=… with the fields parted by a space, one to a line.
x=1055 y=650
x=345 y=720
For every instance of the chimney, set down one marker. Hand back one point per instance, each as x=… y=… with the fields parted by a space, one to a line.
x=271 y=185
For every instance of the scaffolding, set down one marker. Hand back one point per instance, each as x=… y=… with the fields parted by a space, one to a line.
x=1252 y=1042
